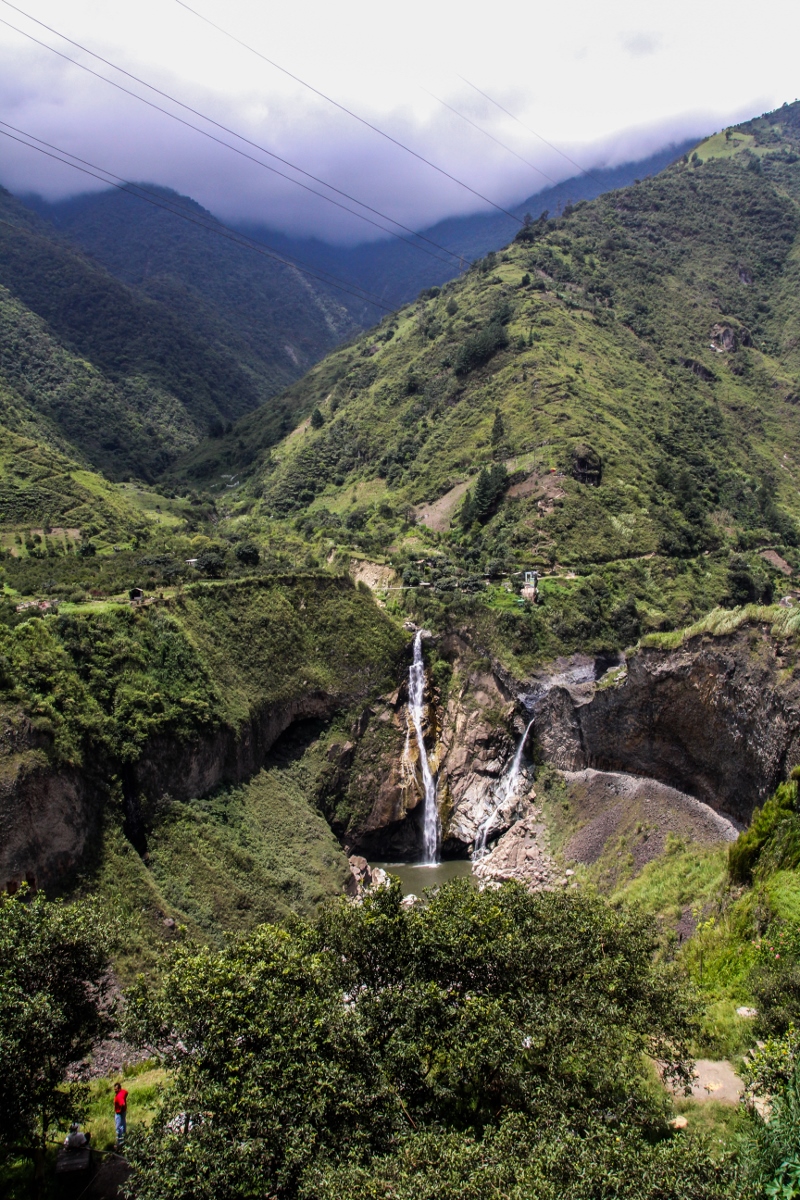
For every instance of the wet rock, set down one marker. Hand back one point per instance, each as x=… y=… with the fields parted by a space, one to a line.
x=521 y=854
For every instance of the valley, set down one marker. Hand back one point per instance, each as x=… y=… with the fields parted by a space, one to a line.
x=500 y=594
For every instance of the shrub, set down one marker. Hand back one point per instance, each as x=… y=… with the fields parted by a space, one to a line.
x=480 y=347
x=746 y=850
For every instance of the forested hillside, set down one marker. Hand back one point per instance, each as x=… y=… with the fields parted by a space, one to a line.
x=124 y=379
x=275 y=320
x=618 y=387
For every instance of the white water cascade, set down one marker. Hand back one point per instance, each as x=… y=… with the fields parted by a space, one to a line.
x=431 y=831
x=507 y=790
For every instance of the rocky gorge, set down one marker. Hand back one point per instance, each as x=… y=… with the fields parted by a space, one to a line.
x=681 y=740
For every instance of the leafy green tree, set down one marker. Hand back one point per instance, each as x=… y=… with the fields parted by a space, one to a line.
x=324 y=1047
x=525 y=1161
x=247 y=553
x=498 y=429
x=54 y=1004
x=211 y=563
x=272 y=1071
x=317 y=419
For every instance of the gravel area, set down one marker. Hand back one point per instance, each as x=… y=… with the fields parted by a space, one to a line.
x=610 y=804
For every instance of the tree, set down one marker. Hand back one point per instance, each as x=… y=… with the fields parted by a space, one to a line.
x=317 y=419
x=211 y=563
x=336 y=1042
x=481 y=502
x=54 y=1004
x=498 y=429
x=247 y=554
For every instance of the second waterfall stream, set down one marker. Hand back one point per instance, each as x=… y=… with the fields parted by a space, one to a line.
x=431 y=830
x=506 y=791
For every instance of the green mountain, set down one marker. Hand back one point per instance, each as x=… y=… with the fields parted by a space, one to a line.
x=274 y=320
x=396 y=272
x=124 y=380
x=619 y=386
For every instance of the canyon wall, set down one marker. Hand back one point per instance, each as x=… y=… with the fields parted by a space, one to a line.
x=719 y=718
x=50 y=815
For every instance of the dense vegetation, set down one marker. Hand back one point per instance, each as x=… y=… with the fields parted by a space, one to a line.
x=630 y=365
x=382 y=1043
x=128 y=377
x=55 y=1002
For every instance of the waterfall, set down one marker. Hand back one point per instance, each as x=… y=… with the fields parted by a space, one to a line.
x=416 y=707
x=506 y=790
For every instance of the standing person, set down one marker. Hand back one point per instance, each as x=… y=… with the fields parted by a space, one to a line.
x=120 y=1113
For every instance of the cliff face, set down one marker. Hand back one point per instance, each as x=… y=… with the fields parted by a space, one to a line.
x=718 y=718
x=49 y=816
x=470 y=737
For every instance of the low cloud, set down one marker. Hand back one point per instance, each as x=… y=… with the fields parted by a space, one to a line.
x=106 y=128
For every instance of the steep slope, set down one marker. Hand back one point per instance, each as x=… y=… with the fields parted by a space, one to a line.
x=396 y=272
x=119 y=377
x=155 y=719
x=632 y=365
x=274 y=319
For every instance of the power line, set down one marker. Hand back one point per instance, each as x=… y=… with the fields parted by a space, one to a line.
x=486 y=133
x=152 y=198
x=486 y=96
x=222 y=142
x=342 y=108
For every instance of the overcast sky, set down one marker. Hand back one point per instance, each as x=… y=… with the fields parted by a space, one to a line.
x=603 y=81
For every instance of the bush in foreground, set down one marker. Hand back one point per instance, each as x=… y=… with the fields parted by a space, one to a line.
x=493 y=1037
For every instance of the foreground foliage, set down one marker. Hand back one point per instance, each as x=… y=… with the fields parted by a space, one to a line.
x=385 y=1044
x=54 y=1004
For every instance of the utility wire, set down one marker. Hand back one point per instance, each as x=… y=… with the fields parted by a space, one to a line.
x=152 y=198
x=344 y=109
x=486 y=96
x=486 y=133
x=221 y=142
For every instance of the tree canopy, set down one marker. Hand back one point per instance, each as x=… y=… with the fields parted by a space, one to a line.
x=327 y=1047
x=54 y=1004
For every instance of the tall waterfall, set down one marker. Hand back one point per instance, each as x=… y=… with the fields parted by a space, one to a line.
x=506 y=790
x=431 y=830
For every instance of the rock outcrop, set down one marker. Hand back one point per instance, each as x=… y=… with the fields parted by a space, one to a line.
x=522 y=853
x=718 y=717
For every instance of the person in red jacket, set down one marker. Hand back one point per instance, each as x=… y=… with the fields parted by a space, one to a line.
x=120 y=1113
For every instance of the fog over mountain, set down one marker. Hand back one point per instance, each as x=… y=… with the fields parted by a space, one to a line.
x=517 y=106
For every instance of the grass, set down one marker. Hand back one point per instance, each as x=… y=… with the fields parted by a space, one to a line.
x=684 y=877
x=143 y=1082
x=783 y=623
x=254 y=853
x=722 y=1125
